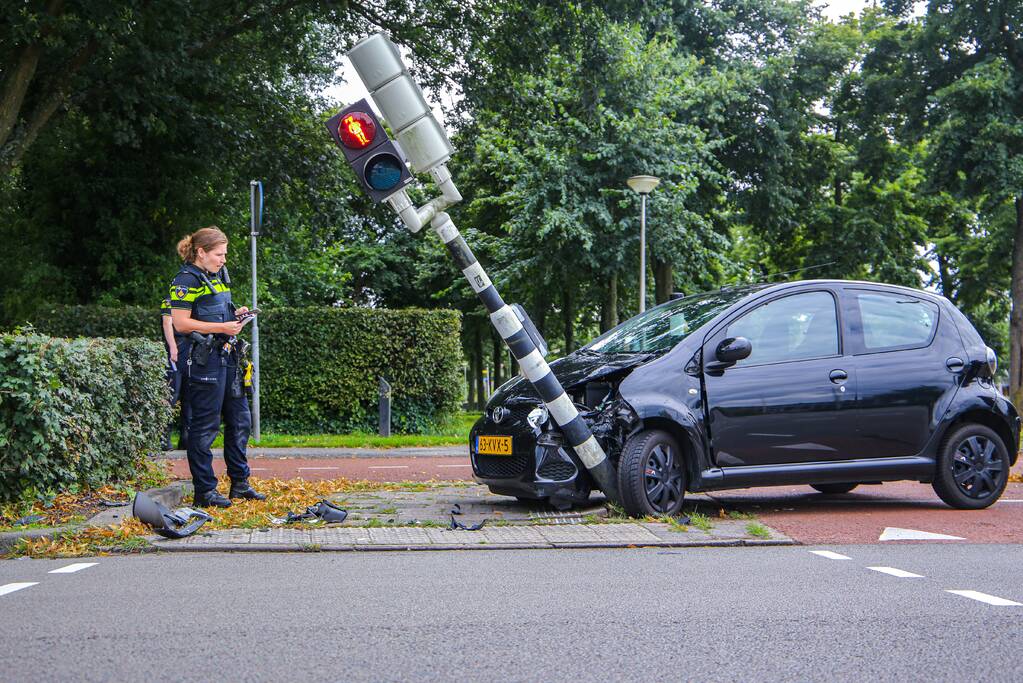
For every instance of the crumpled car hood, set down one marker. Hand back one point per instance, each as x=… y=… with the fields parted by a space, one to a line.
x=572 y=371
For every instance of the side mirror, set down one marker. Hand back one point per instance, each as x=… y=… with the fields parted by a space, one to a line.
x=729 y=352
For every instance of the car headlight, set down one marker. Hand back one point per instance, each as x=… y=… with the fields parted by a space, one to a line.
x=537 y=416
x=992 y=361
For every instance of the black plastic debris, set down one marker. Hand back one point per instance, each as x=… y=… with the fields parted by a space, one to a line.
x=323 y=511
x=455 y=524
x=28 y=519
x=177 y=523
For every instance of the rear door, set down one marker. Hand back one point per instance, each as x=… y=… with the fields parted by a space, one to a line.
x=787 y=402
x=908 y=358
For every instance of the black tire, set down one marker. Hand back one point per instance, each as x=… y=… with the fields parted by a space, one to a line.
x=651 y=458
x=834 y=488
x=972 y=468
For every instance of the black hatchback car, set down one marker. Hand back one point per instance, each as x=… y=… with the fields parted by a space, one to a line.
x=823 y=382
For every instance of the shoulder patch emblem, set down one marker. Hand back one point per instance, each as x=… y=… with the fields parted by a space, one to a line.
x=180 y=292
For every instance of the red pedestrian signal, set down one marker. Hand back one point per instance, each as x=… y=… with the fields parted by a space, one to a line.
x=378 y=164
x=357 y=130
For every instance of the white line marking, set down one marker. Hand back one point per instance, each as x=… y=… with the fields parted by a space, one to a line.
x=1011 y=500
x=830 y=555
x=465 y=465
x=318 y=468
x=72 y=568
x=388 y=467
x=901 y=573
x=11 y=587
x=989 y=599
x=258 y=469
x=893 y=533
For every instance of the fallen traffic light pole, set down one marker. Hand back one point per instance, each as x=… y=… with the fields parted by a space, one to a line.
x=380 y=167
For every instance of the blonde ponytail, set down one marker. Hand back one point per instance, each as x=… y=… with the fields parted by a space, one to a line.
x=203 y=238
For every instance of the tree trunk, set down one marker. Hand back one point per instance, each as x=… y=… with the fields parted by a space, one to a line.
x=569 y=319
x=945 y=277
x=1016 y=317
x=472 y=398
x=498 y=379
x=541 y=304
x=17 y=83
x=664 y=281
x=609 y=307
x=838 y=180
x=477 y=352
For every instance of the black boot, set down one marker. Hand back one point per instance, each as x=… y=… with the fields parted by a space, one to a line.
x=242 y=489
x=210 y=499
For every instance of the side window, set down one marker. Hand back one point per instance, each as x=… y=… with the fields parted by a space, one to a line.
x=792 y=328
x=891 y=321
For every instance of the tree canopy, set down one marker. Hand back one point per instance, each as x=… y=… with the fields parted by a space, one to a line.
x=884 y=146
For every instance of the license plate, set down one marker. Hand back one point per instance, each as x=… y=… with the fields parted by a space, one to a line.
x=494 y=445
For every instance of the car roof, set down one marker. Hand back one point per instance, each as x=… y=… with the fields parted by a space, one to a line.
x=781 y=286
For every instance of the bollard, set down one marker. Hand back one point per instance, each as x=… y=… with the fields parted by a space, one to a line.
x=385 y=408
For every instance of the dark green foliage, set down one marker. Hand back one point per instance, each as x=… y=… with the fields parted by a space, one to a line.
x=82 y=411
x=319 y=367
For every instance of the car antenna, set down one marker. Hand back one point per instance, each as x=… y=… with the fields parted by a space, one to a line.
x=797 y=270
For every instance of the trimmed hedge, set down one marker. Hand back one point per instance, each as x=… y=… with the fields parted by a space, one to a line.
x=320 y=367
x=82 y=411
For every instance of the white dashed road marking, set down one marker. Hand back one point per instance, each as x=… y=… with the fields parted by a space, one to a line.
x=388 y=467
x=11 y=587
x=892 y=533
x=989 y=599
x=901 y=573
x=318 y=468
x=465 y=465
x=830 y=555
x=72 y=568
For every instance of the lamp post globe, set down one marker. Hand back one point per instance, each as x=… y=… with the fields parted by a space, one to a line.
x=644 y=185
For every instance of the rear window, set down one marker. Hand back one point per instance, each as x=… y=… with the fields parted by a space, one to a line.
x=894 y=321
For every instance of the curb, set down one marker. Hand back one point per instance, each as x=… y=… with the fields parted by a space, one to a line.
x=299 y=548
x=171 y=496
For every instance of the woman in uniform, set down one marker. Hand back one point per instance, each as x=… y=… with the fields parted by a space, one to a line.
x=202 y=312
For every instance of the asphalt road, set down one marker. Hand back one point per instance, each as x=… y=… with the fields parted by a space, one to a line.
x=694 y=614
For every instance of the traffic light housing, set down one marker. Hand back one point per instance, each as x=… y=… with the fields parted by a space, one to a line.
x=378 y=163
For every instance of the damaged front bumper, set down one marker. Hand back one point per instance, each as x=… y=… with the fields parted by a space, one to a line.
x=540 y=465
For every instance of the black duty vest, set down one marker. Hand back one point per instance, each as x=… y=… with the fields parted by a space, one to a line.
x=213 y=307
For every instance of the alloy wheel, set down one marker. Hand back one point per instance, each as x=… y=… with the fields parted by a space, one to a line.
x=976 y=467
x=663 y=478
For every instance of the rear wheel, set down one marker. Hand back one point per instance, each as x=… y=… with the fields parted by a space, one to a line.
x=972 y=468
x=651 y=475
x=834 y=488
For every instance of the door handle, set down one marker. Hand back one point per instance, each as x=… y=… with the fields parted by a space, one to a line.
x=838 y=376
x=955 y=364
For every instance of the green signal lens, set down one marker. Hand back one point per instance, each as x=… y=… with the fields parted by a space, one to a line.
x=383 y=172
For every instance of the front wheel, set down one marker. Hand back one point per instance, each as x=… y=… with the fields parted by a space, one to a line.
x=651 y=475
x=972 y=468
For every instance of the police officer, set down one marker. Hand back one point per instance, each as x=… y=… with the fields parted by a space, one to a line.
x=175 y=376
x=203 y=313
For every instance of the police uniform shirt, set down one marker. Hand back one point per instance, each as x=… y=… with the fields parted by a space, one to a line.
x=187 y=287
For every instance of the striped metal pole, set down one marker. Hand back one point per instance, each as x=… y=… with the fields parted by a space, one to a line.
x=533 y=365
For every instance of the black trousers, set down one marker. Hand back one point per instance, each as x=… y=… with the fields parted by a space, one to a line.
x=209 y=398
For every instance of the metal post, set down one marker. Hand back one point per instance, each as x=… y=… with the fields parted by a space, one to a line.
x=385 y=408
x=642 y=253
x=257 y=216
x=531 y=363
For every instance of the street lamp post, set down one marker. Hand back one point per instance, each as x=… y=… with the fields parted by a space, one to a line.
x=644 y=185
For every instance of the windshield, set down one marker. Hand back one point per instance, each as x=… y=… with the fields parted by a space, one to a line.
x=661 y=328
